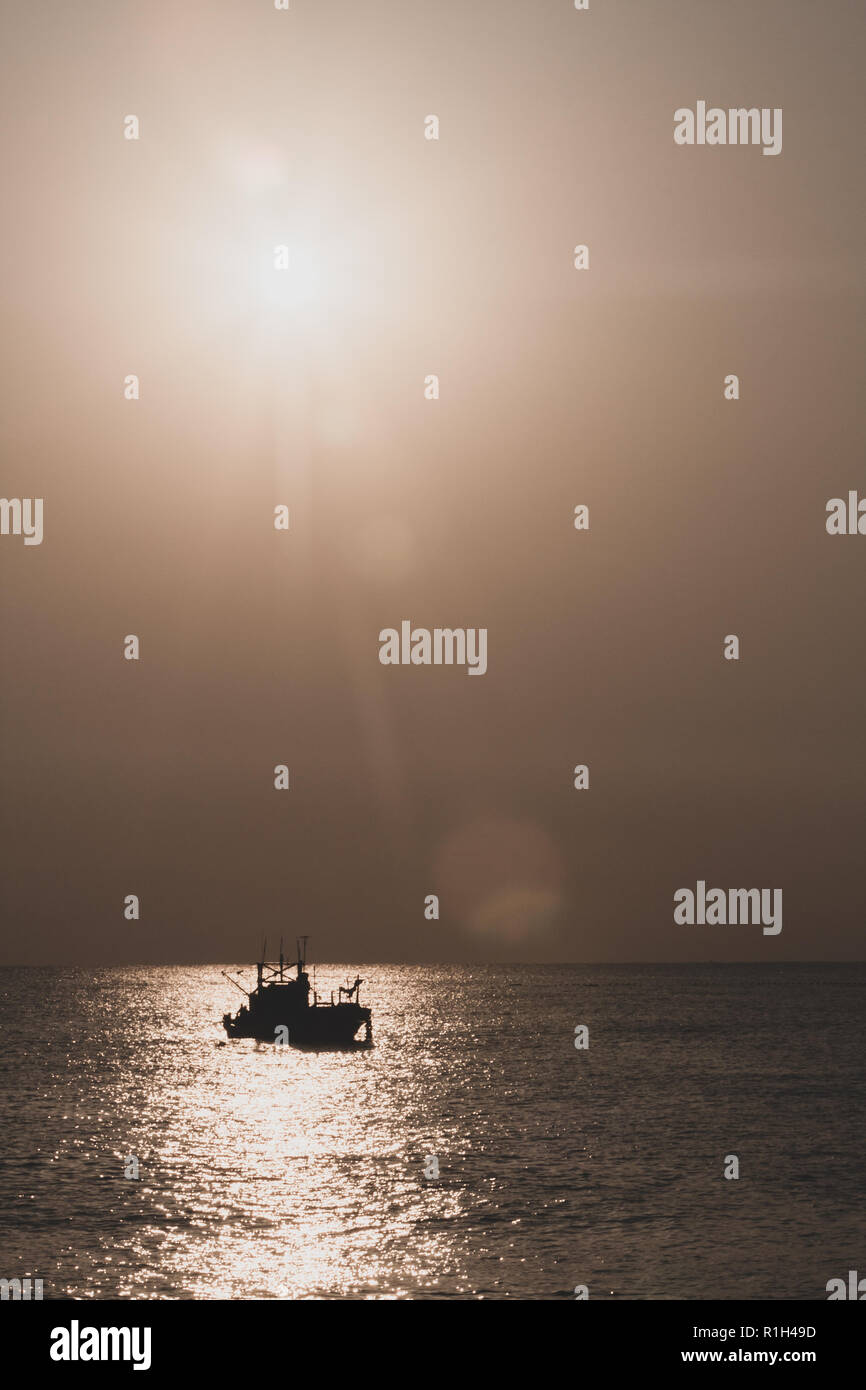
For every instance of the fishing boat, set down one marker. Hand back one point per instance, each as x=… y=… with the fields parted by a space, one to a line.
x=279 y=1009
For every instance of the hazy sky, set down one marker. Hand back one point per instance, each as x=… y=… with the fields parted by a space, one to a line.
x=558 y=387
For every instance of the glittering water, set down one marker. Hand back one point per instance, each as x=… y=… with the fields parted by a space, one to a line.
x=270 y=1173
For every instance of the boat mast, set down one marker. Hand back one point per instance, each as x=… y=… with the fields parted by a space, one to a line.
x=235 y=983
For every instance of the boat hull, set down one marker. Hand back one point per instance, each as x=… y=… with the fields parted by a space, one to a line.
x=320 y=1025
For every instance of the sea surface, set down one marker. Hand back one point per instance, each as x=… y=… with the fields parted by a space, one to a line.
x=266 y=1172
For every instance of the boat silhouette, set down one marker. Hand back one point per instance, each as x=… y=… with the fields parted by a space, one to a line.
x=279 y=1009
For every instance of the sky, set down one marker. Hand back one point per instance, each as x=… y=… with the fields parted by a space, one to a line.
x=558 y=387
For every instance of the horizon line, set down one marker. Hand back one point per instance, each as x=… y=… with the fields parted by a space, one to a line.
x=179 y=964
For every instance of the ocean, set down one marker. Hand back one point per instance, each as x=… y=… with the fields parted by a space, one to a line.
x=270 y=1173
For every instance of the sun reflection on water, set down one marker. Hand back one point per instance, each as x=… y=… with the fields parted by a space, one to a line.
x=268 y=1172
